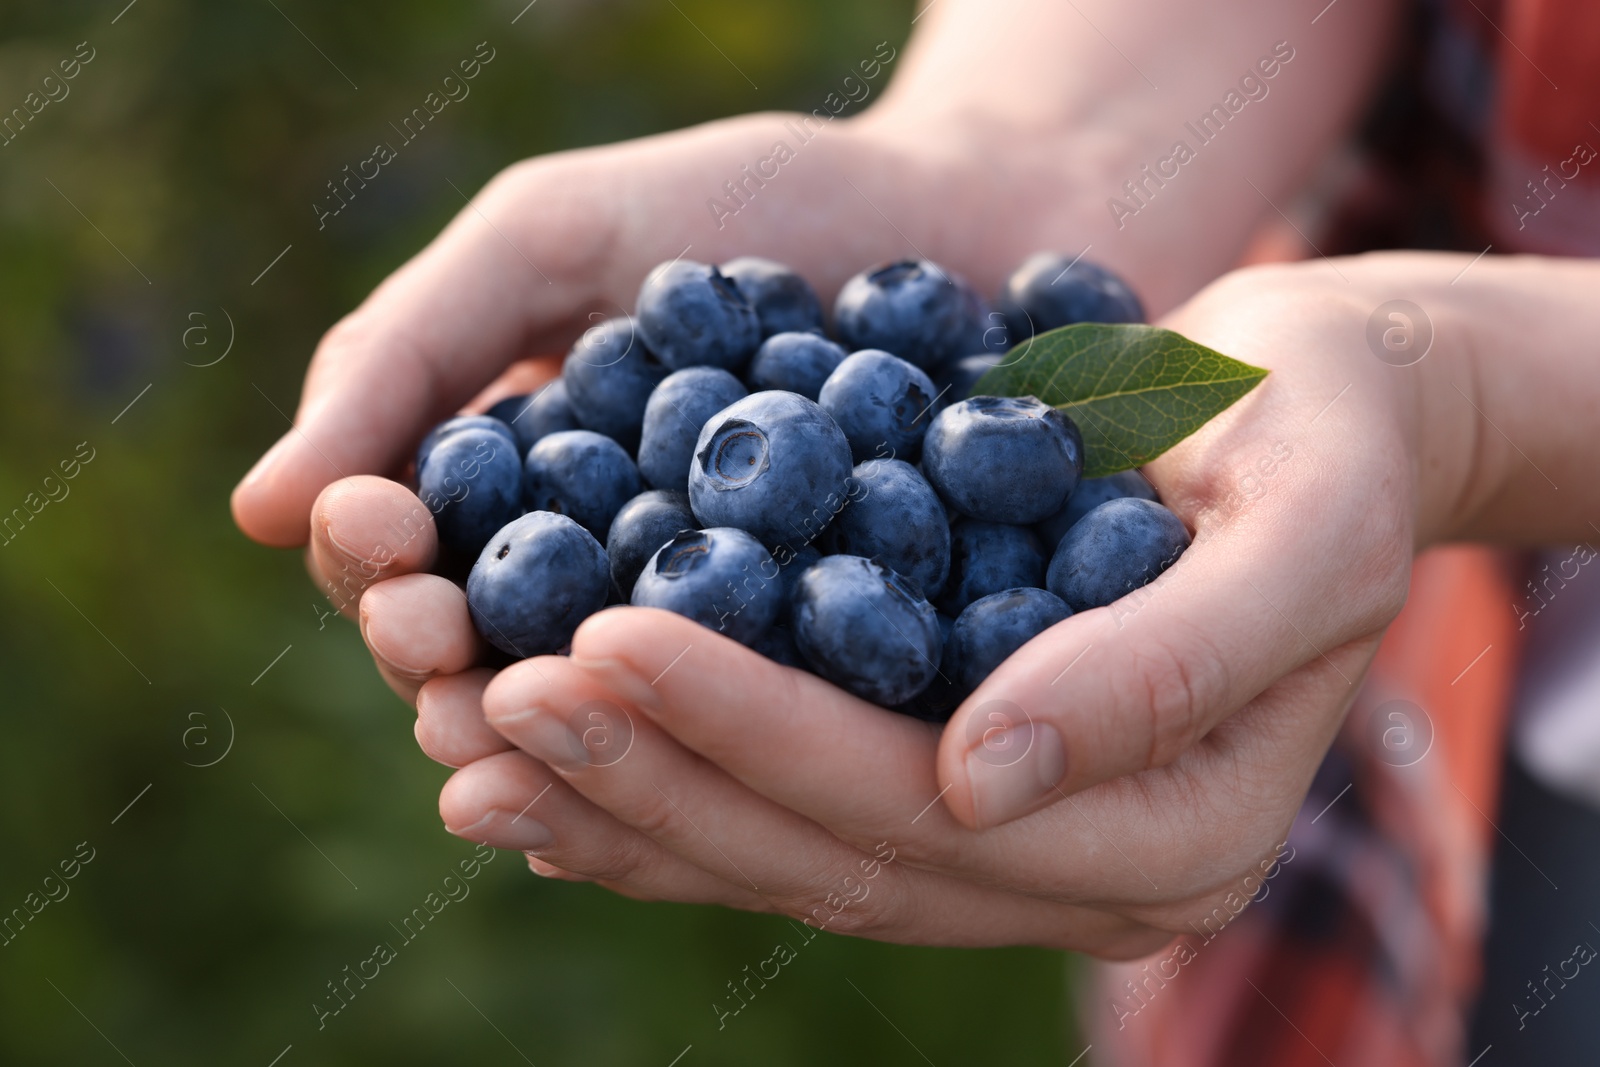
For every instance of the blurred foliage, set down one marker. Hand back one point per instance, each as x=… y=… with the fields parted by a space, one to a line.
x=141 y=205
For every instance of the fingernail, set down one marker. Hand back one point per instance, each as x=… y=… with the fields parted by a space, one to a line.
x=349 y=555
x=1013 y=771
x=505 y=830
x=549 y=870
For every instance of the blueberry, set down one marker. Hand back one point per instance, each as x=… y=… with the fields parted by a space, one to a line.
x=883 y=404
x=534 y=415
x=914 y=308
x=943 y=695
x=783 y=300
x=609 y=374
x=992 y=628
x=986 y=557
x=644 y=524
x=1118 y=547
x=774 y=464
x=535 y=581
x=777 y=644
x=896 y=518
x=677 y=410
x=958 y=378
x=471 y=479
x=866 y=629
x=1090 y=494
x=690 y=315
x=582 y=474
x=1003 y=459
x=721 y=578
x=458 y=424
x=796 y=362
x=1050 y=290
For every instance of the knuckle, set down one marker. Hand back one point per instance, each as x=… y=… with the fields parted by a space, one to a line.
x=622 y=858
x=561 y=205
x=654 y=815
x=350 y=333
x=831 y=910
x=1179 y=685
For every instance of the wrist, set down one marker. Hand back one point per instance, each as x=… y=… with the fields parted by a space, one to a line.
x=1526 y=384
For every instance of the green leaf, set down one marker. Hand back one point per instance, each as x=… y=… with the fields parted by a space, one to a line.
x=1134 y=390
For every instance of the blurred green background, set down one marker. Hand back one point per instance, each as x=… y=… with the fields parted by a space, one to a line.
x=140 y=206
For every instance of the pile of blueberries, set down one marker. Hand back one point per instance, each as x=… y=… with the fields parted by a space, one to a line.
x=840 y=505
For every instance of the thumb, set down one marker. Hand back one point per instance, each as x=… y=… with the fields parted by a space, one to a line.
x=485 y=292
x=1130 y=686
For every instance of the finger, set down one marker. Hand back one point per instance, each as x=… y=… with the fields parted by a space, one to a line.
x=861 y=771
x=647 y=781
x=366 y=529
x=1150 y=841
x=417 y=628
x=450 y=726
x=557 y=713
x=864 y=773
x=512 y=801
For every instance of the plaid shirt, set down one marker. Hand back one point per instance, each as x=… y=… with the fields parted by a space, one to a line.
x=1364 y=947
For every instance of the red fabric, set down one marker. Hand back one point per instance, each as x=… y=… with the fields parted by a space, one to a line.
x=1549 y=66
x=1366 y=948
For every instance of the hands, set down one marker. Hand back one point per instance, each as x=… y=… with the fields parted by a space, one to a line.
x=1123 y=772
x=1119 y=777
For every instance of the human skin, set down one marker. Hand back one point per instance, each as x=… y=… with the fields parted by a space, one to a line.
x=1185 y=737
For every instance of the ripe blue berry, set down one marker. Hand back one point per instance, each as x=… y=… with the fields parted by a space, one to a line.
x=795 y=362
x=896 y=518
x=1118 y=547
x=1050 y=290
x=458 y=424
x=582 y=474
x=721 y=578
x=774 y=464
x=986 y=557
x=533 y=415
x=471 y=480
x=914 y=308
x=783 y=300
x=883 y=404
x=995 y=626
x=677 y=410
x=866 y=629
x=609 y=374
x=644 y=524
x=690 y=316
x=534 y=582
x=1090 y=494
x=1003 y=459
